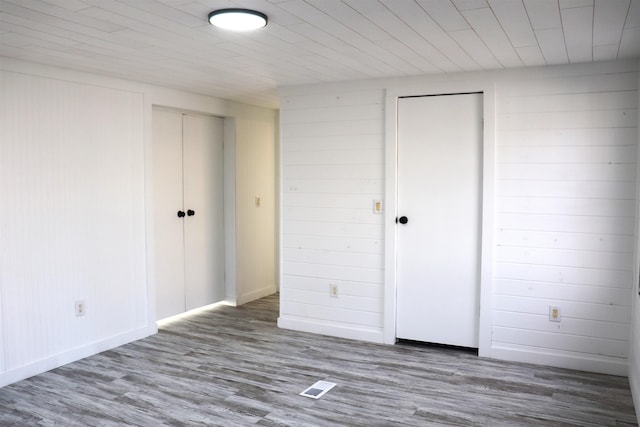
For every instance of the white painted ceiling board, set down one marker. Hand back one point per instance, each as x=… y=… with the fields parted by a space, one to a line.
x=633 y=16
x=531 y=56
x=605 y=52
x=630 y=43
x=470 y=4
x=476 y=48
x=568 y=4
x=32 y=8
x=577 y=23
x=417 y=18
x=543 y=14
x=69 y=4
x=485 y=24
x=423 y=40
x=552 y=45
x=515 y=22
x=348 y=16
x=170 y=43
x=608 y=21
x=413 y=58
x=445 y=14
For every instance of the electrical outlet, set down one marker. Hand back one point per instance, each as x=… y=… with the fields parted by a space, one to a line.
x=81 y=308
x=554 y=313
x=258 y=201
x=333 y=290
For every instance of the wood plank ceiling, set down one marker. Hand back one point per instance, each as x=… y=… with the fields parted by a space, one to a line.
x=170 y=43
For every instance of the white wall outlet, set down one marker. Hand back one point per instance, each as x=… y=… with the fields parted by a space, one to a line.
x=258 y=201
x=554 y=313
x=81 y=308
x=333 y=290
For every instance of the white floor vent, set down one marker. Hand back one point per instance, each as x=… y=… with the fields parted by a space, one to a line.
x=318 y=390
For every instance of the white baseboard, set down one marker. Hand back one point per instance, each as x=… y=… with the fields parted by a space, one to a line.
x=52 y=362
x=257 y=294
x=332 y=329
x=590 y=363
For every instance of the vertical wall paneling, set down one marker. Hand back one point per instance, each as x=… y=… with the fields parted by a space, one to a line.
x=76 y=159
x=72 y=219
x=562 y=175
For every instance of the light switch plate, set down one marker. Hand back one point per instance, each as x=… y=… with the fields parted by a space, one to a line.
x=377 y=206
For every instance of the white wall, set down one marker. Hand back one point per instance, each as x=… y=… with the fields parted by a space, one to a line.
x=71 y=219
x=75 y=175
x=634 y=361
x=332 y=169
x=565 y=195
x=255 y=225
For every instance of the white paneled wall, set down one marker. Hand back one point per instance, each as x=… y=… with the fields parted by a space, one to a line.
x=75 y=174
x=71 y=220
x=332 y=171
x=566 y=196
x=565 y=210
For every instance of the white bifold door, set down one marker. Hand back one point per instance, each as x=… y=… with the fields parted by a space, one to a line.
x=188 y=211
x=439 y=217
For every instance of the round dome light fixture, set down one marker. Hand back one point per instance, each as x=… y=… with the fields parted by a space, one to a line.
x=238 y=19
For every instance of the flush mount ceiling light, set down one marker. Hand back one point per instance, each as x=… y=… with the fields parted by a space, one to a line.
x=237 y=19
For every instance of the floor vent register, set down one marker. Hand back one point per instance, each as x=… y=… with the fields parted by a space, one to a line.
x=319 y=389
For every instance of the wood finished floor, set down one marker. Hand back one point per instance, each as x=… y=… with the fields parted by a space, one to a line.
x=234 y=367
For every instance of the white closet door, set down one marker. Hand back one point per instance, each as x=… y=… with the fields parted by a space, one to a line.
x=167 y=200
x=203 y=203
x=439 y=194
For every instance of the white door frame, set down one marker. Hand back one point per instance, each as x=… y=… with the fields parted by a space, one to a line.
x=487 y=211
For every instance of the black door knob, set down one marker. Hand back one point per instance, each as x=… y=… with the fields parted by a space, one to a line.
x=403 y=220
x=191 y=212
x=180 y=214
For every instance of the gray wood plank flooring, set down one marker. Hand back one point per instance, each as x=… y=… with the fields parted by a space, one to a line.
x=233 y=367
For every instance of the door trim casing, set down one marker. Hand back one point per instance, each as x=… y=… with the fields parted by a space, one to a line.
x=487 y=209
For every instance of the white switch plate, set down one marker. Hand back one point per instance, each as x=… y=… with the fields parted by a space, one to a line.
x=377 y=206
x=81 y=308
x=333 y=290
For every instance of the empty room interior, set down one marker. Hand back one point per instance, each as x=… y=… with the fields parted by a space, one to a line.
x=418 y=212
